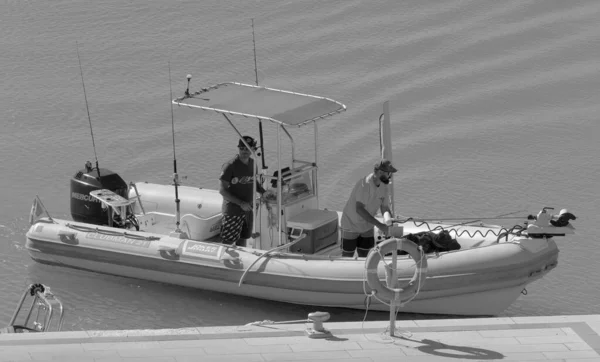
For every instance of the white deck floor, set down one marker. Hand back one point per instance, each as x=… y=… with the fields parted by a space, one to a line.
x=559 y=338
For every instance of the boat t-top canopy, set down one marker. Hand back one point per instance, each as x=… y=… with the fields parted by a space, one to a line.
x=282 y=107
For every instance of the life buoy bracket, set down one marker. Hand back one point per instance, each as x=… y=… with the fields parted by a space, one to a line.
x=407 y=291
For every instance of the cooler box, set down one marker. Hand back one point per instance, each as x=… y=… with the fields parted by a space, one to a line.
x=320 y=227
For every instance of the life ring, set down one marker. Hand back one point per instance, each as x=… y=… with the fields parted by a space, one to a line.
x=404 y=293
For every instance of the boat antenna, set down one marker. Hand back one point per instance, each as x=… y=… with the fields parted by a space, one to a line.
x=187 y=90
x=175 y=176
x=260 y=130
x=87 y=108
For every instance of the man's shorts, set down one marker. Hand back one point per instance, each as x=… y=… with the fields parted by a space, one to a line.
x=361 y=242
x=236 y=227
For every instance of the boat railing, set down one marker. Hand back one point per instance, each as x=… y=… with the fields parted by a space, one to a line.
x=120 y=209
x=137 y=197
x=44 y=314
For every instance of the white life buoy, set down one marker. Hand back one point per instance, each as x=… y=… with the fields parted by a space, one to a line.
x=404 y=293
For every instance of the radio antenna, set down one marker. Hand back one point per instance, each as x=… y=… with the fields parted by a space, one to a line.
x=87 y=108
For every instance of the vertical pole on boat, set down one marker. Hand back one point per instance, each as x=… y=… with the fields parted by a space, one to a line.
x=279 y=185
x=393 y=276
x=316 y=163
x=258 y=210
x=250 y=243
x=385 y=130
x=87 y=109
x=175 y=176
x=260 y=133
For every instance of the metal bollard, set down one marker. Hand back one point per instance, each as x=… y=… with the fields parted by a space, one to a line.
x=317 y=330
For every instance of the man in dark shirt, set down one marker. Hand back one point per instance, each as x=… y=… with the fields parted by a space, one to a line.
x=237 y=177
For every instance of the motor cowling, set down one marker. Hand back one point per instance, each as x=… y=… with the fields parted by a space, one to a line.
x=84 y=207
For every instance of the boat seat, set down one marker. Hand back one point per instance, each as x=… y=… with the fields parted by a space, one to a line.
x=201 y=228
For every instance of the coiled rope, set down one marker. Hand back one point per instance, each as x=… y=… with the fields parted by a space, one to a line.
x=498 y=233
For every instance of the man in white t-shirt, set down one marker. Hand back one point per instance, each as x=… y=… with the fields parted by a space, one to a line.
x=371 y=193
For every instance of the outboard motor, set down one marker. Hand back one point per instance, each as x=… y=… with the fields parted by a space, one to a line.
x=547 y=225
x=85 y=208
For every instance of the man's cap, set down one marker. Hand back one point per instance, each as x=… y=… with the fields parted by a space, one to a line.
x=385 y=165
x=249 y=140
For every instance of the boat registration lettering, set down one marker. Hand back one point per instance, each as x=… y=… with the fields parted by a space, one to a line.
x=201 y=249
x=119 y=240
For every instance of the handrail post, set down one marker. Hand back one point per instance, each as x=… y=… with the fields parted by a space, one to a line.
x=392 y=282
x=279 y=186
x=316 y=181
x=16 y=313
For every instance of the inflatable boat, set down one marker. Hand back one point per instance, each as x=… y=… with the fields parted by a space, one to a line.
x=170 y=233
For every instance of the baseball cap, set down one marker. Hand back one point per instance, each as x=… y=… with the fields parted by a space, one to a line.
x=249 y=140
x=385 y=165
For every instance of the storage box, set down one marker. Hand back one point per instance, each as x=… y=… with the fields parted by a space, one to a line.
x=320 y=227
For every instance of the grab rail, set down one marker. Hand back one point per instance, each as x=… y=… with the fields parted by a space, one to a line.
x=43 y=300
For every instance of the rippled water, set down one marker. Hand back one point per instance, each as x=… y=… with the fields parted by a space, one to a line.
x=494 y=108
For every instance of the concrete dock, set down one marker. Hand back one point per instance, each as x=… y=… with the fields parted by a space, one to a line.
x=557 y=338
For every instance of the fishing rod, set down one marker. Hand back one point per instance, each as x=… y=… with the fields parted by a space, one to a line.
x=492 y=218
x=260 y=129
x=254 y=46
x=499 y=217
x=175 y=176
x=87 y=108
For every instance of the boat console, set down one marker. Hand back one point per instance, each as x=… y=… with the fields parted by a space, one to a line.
x=320 y=226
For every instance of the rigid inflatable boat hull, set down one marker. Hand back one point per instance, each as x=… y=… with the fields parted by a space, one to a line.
x=480 y=281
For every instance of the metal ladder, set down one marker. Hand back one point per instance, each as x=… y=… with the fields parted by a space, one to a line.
x=44 y=305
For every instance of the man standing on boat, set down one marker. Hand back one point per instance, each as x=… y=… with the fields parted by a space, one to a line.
x=237 y=178
x=368 y=195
